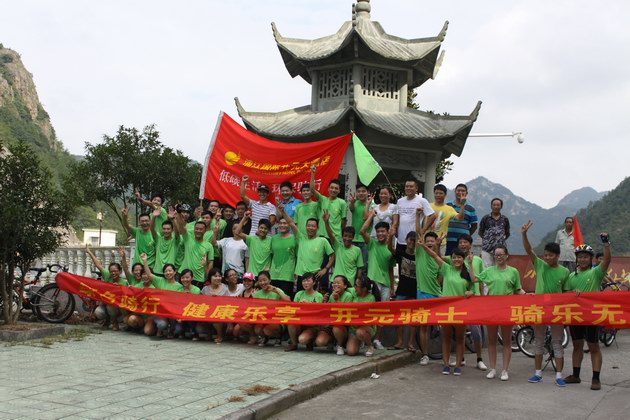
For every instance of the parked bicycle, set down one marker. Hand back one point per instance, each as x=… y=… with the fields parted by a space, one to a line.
x=435 y=342
x=513 y=342
x=607 y=335
x=49 y=303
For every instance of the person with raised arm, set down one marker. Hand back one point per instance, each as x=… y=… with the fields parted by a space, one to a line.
x=262 y=209
x=501 y=280
x=457 y=280
x=587 y=278
x=156 y=202
x=168 y=282
x=357 y=204
x=259 y=245
x=198 y=254
x=141 y=234
x=336 y=207
x=108 y=313
x=308 y=209
x=550 y=278
x=380 y=263
x=167 y=243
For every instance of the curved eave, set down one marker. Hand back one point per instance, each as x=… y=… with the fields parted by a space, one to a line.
x=420 y=54
x=292 y=123
x=451 y=131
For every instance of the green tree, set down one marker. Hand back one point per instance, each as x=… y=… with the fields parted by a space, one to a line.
x=445 y=165
x=130 y=161
x=33 y=216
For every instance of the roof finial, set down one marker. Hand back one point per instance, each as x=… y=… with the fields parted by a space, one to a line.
x=363 y=9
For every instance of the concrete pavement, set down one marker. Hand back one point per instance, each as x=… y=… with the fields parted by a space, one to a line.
x=423 y=392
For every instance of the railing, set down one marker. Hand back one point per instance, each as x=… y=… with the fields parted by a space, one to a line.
x=78 y=262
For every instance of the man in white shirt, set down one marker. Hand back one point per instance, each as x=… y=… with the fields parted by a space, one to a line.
x=407 y=206
x=261 y=209
x=564 y=238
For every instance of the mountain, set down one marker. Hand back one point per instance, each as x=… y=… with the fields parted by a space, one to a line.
x=23 y=117
x=481 y=191
x=609 y=214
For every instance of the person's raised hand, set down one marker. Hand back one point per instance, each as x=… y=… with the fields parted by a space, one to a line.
x=156 y=212
x=526 y=226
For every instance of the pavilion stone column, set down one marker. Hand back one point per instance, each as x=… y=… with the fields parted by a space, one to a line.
x=431 y=170
x=349 y=169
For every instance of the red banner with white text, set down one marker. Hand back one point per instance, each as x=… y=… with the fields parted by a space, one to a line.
x=235 y=152
x=603 y=308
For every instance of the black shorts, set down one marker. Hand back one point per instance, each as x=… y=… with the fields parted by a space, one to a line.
x=579 y=332
x=285 y=286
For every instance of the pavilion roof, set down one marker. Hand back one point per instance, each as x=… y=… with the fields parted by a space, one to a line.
x=420 y=55
x=451 y=131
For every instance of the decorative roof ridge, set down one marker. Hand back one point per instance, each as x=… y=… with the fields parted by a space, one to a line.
x=241 y=111
x=379 y=28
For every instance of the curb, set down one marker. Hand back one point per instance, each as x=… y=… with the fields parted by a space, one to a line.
x=296 y=394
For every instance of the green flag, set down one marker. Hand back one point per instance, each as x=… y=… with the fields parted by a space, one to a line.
x=367 y=166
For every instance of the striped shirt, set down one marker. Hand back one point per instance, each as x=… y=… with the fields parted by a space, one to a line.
x=260 y=211
x=456 y=228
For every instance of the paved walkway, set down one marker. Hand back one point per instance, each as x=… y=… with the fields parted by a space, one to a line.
x=416 y=392
x=127 y=375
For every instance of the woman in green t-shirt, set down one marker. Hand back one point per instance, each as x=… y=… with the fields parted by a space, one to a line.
x=267 y=291
x=307 y=333
x=457 y=280
x=168 y=282
x=111 y=274
x=501 y=280
x=182 y=327
x=364 y=292
x=340 y=294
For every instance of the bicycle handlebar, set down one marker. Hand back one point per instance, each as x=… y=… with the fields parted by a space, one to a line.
x=57 y=268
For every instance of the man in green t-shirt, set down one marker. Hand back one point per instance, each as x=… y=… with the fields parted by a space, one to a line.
x=198 y=254
x=357 y=204
x=348 y=258
x=311 y=253
x=166 y=244
x=308 y=209
x=550 y=278
x=380 y=262
x=259 y=245
x=157 y=199
x=142 y=236
x=587 y=278
x=337 y=207
x=284 y=254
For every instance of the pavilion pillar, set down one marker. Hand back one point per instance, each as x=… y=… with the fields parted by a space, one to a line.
x=431 y=171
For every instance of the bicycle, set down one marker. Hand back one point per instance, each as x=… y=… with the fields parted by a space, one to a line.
x=607 y=335
x=49 y=303
x=525 y=340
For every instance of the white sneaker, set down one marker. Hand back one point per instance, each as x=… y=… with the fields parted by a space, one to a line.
x=378 y=345
x=491 y=374
x=424 y=360
x=340 y=351
x=452 y=363
x=481 y=365
x=504 y=375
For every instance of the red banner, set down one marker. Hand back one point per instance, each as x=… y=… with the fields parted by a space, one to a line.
x=602 y=308
x=235 y=152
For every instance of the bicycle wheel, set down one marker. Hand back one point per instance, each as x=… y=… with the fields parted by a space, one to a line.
x=514 y=344
x=525 y=340
x=565 y=338
x=607 y=336
x=435 y=343
x=468 y=342
x=52 y=304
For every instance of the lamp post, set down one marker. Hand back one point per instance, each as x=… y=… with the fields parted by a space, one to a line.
x=520 y=137
x=99 y=217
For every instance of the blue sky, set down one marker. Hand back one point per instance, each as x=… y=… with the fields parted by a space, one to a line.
x=555 y=70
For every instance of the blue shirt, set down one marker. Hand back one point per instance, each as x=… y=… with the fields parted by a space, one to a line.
x=456 y=228
x=289 y=206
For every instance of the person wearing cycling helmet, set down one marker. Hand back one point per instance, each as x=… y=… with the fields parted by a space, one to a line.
x=587 y=278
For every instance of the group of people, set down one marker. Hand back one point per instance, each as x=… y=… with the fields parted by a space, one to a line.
x=289 y=250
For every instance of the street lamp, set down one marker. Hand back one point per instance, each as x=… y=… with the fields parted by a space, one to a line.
x=520 y=137
x=99 y=217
